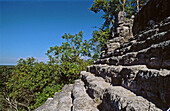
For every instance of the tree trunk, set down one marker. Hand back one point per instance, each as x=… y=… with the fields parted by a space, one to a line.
x=124 y=5
x=137 y=5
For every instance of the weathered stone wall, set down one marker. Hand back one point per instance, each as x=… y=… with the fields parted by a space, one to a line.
x=151 y=14
x=150 y=47
x=150 y=83
x=142 y=62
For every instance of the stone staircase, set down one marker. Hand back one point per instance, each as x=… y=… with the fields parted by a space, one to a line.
x=132 y=74
x=152 y=84
x=149 y=48
x=92 y=93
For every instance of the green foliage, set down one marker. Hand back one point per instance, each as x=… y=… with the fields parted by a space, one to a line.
x=71 y=50
x=30 y=83
x=5 y=74
x=98 y=41
x=111 y=9
x=68 y=55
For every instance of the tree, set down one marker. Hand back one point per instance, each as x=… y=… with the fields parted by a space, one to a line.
x=69 y=56
x=5 y=74
x=71 y=50
x=110 y=9
x=123 y=4
x=31 y=83
x=137 y=1
x=98 y=41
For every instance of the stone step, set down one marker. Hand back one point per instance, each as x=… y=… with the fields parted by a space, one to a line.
x=150 y=83
x=45 y=106
x=62 y=101
x=81 y=100
x=155 y=39
x=144 y=35
x=163 y=26
x=139 y=37
x=109 y=53
x=111 y=73
x=114 y=98
x=156 y=56
x=73 y=97
x=65 y=98
x=135 y=46
x=143 y=40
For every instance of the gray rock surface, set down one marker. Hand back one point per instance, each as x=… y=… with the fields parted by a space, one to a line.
x=82 y=101
x=155 y=10
x=115 y=98
x=151 y=83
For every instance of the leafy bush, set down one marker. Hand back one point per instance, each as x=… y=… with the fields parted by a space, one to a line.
x=31 y=83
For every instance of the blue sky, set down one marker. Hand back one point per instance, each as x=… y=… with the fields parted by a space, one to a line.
x=28 y=28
